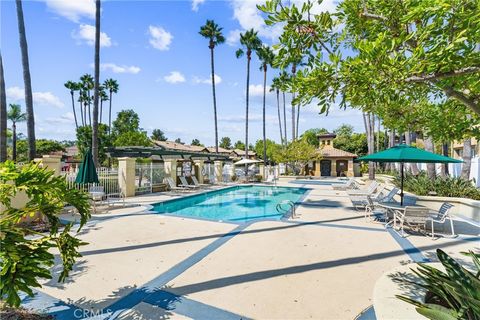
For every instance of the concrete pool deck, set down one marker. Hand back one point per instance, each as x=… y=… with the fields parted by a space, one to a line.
x=322 y=265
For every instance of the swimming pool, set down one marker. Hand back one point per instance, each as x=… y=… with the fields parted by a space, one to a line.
x=238 y=204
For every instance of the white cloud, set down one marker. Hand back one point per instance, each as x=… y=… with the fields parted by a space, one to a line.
x=199 y=80
x=72 y=9
x=160 y=38
x=248 y=16
x=86 y=34
x=257 y=90
x=66 y=118
x=324 y=6
x=196 y=3
x=174 y=77
x=119 y=69
x=233 y=37
x=40 y=98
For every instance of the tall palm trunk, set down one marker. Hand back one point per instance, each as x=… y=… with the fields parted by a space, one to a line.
x=85 y=107
x=96 y=86
x=249 y=57
x=279 y=117
x=89 y=114
x=264 y=127
x=110 y=113
x=101 y=111
x=285 y=118
x=3 y=115
x=298 y=120
x=81 y=113
x=467 y=158
x=408 y=140
x=429 y=146
x=212 y=63
x=73 y=108
x=293 y=117
x=14 y=141
x=27 y=82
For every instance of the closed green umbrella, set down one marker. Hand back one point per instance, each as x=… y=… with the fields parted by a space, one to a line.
x=405 y=153
x=87 y=172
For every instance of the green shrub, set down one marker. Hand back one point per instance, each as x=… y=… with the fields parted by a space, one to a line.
x=25 y=255
x=453 y=294
x=447 y=186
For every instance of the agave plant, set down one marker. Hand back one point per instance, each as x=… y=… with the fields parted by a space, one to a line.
x=453 y=294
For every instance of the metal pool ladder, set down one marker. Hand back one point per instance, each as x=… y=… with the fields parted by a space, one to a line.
x=286 y=206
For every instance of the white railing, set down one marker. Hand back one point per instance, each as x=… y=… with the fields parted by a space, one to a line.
x=107 y=178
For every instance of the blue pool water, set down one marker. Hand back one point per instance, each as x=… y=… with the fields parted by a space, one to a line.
x=237 y=204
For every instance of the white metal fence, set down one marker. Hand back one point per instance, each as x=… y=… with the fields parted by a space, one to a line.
x=107 y=178
x=148 y=175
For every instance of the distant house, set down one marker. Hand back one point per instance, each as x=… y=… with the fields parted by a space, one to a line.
x=221 y=150
x=238 y=153
x=457 y=149
x=334 y=162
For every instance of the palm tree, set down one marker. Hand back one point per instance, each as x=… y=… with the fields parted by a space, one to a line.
x=251 y=42
x=15 y=115
x=27 y=82
x=70 y=85
x=283 y=79
x=103 y=97
x=86 y=100
x=276 y=87
x=213 y=33
x=112 y=87
x=3 y=115
x=87 y=86
x=266 y=57
x=96 y=84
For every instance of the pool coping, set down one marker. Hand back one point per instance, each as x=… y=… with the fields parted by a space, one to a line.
x=284 y=217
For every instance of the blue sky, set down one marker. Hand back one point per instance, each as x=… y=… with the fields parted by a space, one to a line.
x=161 y=63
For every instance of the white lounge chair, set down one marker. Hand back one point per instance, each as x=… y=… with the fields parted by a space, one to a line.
x=441 y=217
x=198 y=184
x=350 y=184
x=368 y=191
x=185 y=184
x=172 y=185
x=270 y=179
x=389 y=197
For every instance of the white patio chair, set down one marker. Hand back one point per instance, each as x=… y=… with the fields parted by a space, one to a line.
x=412 y=217
x=185 y=184
x=441 y=217
x=114 y=198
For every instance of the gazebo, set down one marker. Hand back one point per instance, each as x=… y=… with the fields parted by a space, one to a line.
x=334 y=162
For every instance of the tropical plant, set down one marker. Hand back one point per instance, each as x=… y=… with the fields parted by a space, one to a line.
x=88 y=85
x=112 y=87
x=226 y=143
x=15 y=115
x=3 y=115
x=213 y=33
x=451 y=294
x=158 y=135
x=446 y=186
x=25 y=259
x=266 y=57
x=250 y=41
x=298 y=154
x=85 y=101
x=27 y=82
x=276 y=87
x=72 y=86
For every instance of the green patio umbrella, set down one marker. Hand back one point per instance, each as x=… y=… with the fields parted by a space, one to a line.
x=404 y=153
x=87 y=172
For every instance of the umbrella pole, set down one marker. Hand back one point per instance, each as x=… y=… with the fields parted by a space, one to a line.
x=401 y=183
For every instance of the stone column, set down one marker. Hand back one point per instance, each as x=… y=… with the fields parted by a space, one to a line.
x=52 y=162
x=350 y=171
x=218 y=165
x=126 y=176
x=171 y=170
x=333 y=172
x=199 y=166
x=261 y=169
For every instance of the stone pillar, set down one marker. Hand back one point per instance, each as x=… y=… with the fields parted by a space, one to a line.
x=52 y=162
x=262 y=169
x=317 y=168
x=350 y=172
x=126 y=176
x=171 y=170
x=199 y=167
x=218 y=165
x=333 y=172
